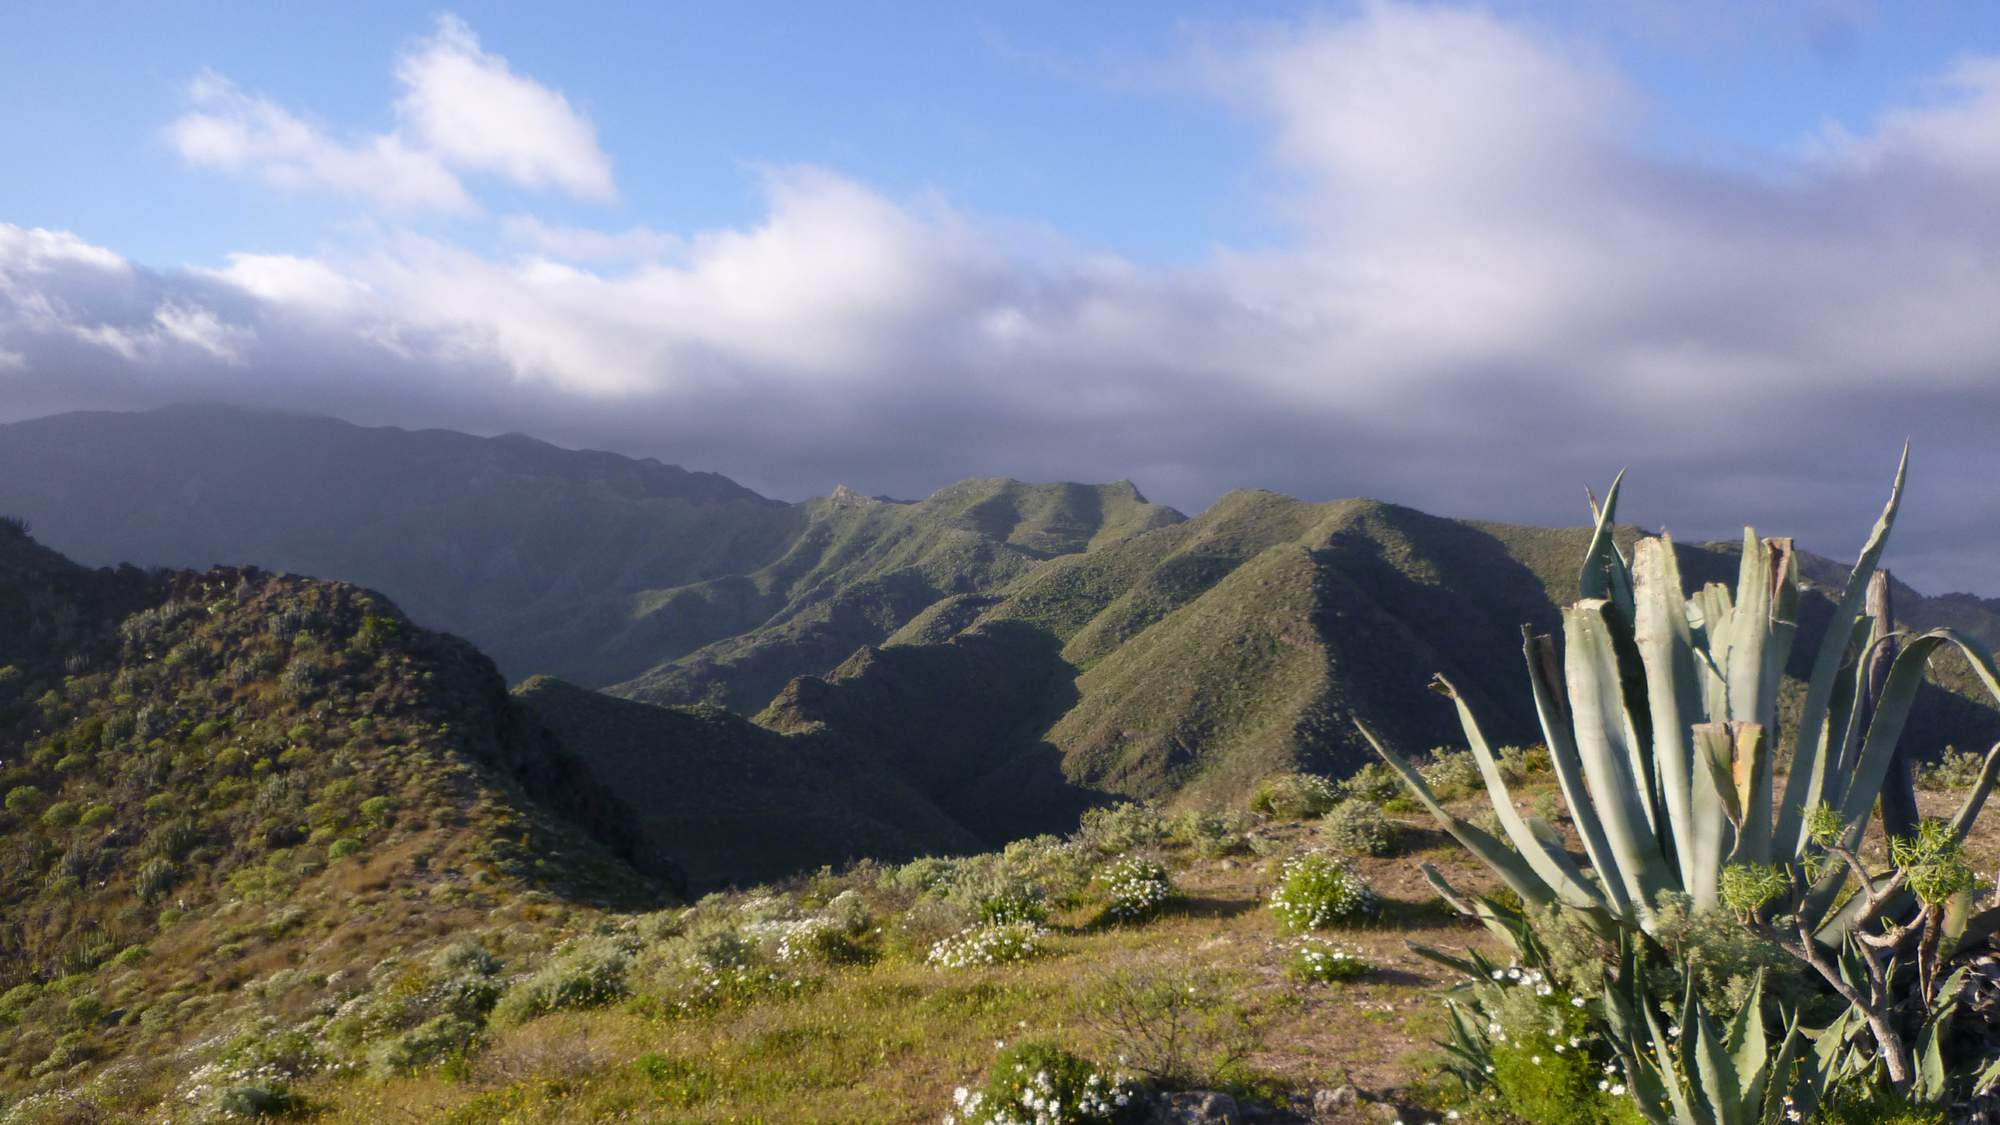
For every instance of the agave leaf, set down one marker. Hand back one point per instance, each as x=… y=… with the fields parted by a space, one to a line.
x=1778 y=1077
x=1552 y=865
x=1432 y=953
x=1552 y=709
x=1886 y=728
x=1748 y=1048
x=1508 y=927
x=1847 y=713
x=1978 y=928
x=1813 y=748
x=1750 y=771
x=1605 y=573
x=1783 y=626
x=1670 y=1078
x=1673 y=691
x=1511 y=868
x=1714 y=1071
x=1715 y=753
x=1621 y=799
x=1987 y=1078
x=1750 y=631
x=1713 y=607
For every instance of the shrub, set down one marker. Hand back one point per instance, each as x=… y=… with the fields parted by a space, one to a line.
x=1042 y=1084
x=1121 y=828
x=96 y=814
x=1182 y=1027
x=988 y=945
x=1136 y=888
x=587 y=974
x=1015 y=902
x=1313 y=961
x=1357 y=826
x=1211 y=834
x=62 y=814
x=1452 y=773
x=1293 y=795
x=1316 y=890
x=1061 y=868
x=378 y=811
x=1373 y=782
x=1955 y=769
x=24 y=800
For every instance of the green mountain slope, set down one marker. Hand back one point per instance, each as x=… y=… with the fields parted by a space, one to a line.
x=211 y=776
x=862 y=569
x=1189 y=661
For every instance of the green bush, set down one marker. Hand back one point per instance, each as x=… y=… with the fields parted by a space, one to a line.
x=1293 y=795
x=1375 y=782
x=589 y=973
x=62 y=814
x=25 y=800
x=1042 y=1083
x=1316 y=890
x=1211 y=835
x=1357 y=826
x=1121 y=828
x=95 y=815
x=1954 y=769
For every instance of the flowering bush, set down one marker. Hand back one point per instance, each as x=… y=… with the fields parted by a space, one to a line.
x=1313 y=961
x=1040 y=1084
x=1317 y=889
x=1137 y=888
x=988 y=945
x=728 y=966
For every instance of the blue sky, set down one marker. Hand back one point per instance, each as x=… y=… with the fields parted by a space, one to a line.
x=1084 y=117
x=1464 y=257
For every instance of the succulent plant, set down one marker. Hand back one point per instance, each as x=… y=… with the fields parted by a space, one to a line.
x=1660 y=716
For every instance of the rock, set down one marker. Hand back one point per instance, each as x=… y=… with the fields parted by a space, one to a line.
x=1326 y=1103
x=1196 y=1107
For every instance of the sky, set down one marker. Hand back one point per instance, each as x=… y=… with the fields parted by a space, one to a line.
x=1467 y=258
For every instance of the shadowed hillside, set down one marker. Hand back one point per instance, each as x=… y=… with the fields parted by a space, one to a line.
x=733 y=802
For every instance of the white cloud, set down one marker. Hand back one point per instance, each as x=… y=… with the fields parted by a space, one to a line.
x=471 y=109
x=200 y=328
x=462 y=110
x=235 y=132
x=299 y=283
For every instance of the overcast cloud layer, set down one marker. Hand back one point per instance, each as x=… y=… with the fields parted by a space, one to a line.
x=1494 y=294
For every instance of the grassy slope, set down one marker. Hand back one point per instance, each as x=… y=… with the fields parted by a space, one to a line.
x=233 y=774
x=887 y=1041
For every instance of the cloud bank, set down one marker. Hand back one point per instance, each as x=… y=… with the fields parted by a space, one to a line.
x=1495 y=291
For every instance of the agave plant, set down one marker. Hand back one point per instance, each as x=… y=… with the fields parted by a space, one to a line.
x=1661 y=714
